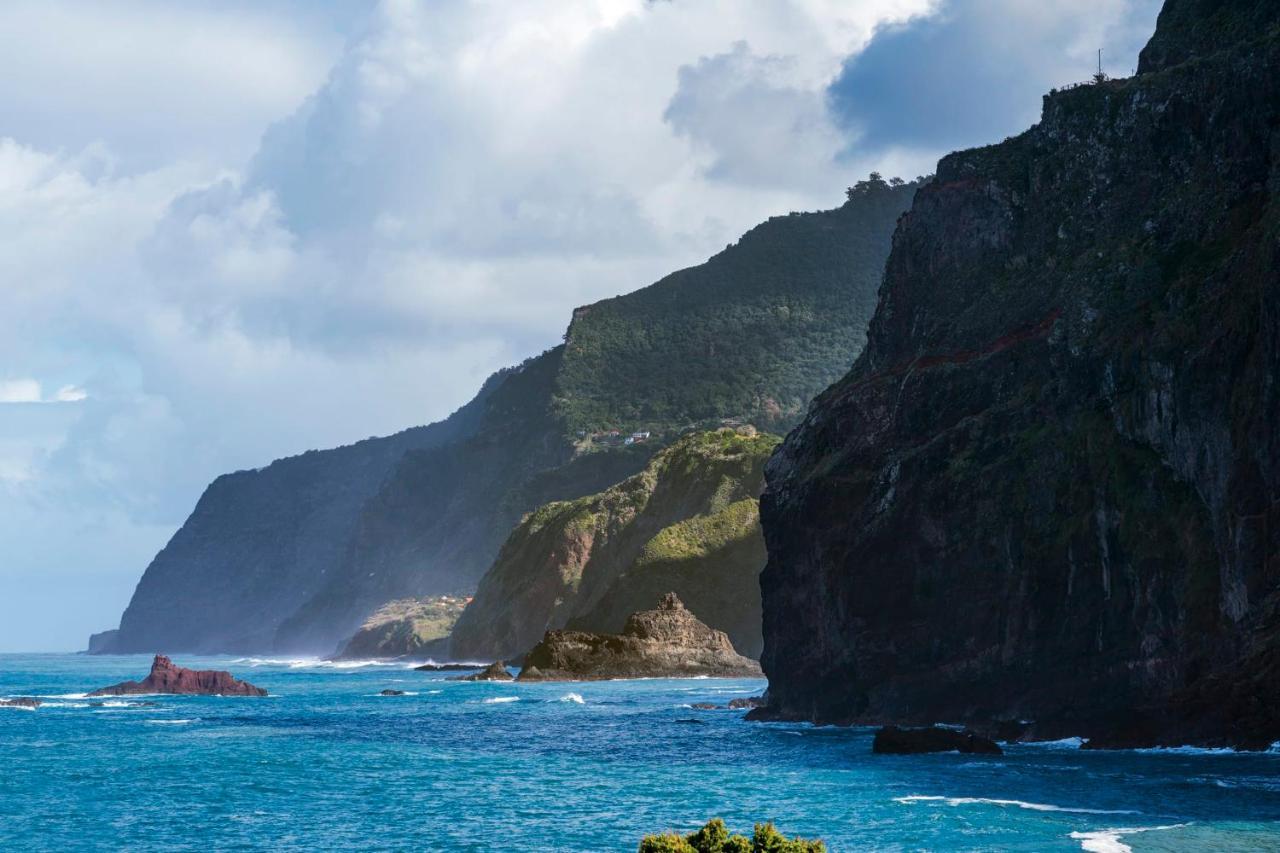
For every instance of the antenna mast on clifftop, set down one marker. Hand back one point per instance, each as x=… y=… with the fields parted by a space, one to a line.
x=1100 y=77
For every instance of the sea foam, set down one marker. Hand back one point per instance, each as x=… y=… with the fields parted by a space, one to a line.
x=1108 y=840
x=1022 y=804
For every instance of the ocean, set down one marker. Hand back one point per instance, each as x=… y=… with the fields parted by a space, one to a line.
x=325 y=763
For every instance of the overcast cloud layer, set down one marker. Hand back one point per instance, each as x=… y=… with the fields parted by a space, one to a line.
x=238 y=231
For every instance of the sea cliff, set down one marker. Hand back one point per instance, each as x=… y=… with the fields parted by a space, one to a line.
x=1049 y=489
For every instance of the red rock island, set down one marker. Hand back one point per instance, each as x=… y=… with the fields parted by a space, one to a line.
x=165 y=677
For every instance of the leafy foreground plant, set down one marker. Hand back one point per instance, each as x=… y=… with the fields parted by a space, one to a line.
x=715 y=838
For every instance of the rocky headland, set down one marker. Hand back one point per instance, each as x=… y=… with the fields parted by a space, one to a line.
x=668 y=642
x=166 y=677
x=689 y=523
x=406 y=627
x=1049 y=489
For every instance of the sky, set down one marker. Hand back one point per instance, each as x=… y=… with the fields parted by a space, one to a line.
x=239 y=230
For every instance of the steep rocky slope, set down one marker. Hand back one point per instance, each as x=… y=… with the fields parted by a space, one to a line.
x=1049 y=489
x=293 y=557
x=687 y=523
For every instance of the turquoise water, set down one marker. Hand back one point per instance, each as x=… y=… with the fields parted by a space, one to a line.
x=326 y=763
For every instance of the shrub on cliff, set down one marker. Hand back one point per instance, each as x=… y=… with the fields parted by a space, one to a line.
x=715 y=838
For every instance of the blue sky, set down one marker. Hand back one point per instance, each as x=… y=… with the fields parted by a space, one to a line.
x=240 y=230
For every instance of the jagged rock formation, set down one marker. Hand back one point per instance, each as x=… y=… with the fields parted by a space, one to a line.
x=669 y=642
x=406 y=627
x=293 y=557
x=689 y=522
x=28 y=702
x=166 y=677
x=1049 y=489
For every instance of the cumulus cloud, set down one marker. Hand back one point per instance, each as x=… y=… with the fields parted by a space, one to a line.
x=342 y=231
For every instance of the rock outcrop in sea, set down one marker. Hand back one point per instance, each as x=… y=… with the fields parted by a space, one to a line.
x=1049 y=489
x=689 y=523
x=166 y=677
x=892 y=740
x=668 y=642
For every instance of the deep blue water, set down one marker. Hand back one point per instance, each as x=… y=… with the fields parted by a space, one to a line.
x=326 y=763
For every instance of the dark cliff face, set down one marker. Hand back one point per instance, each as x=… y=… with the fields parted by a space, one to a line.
x=293 y=557
x=1050 y=487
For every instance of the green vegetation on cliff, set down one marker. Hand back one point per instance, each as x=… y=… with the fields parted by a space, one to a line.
x=689 y=523
x=723 y=338
x=715 y=838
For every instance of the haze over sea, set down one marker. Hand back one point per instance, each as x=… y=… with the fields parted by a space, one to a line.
x=327 y=763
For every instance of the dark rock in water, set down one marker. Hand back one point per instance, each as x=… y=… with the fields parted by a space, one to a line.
x=892 y=740
x=746 y=702
x=22 y=702
x=448 y=667
x=531 y=673
x=669 y=642
x=692 y=722
x=1048 y=487
x=165 y=677
x=705 y=706
x=391 y=693
x=496 y=671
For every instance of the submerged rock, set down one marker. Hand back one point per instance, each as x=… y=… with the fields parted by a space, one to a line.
x=166 y=677
x=21 y=702
x=496 y=671
x=892 y=740
x=391 y=693
x=669 y=642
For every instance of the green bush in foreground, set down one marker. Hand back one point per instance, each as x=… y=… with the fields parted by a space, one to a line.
x=715 y=838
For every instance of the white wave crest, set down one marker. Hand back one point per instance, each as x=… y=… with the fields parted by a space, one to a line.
x=1022 y=804
x=575 y=698
x=168 y=722
x=501 y=700
x=1063 y=743
x=1108 y=840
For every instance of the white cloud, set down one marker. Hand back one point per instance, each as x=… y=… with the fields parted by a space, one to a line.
x=29 y=391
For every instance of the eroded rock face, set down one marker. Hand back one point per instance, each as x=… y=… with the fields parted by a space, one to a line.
x=1048 y=489
x=668 y=642
x=165 y=677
